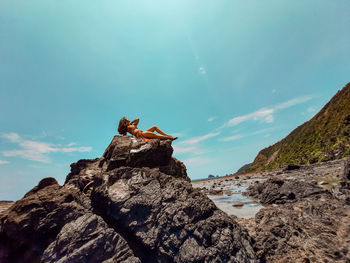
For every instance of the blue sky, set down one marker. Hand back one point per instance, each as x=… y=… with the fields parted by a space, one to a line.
x=228 y=77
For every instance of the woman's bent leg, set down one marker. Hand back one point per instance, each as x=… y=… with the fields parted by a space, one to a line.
x=155 y=128
x=150 y=135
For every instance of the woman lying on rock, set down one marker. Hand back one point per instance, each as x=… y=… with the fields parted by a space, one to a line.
x=126 y=126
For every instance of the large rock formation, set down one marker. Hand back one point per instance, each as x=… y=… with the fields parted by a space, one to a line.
x=302 y=223
x=134 y=204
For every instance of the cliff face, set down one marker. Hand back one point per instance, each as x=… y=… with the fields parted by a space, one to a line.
x=325 y=137
x=134 y=204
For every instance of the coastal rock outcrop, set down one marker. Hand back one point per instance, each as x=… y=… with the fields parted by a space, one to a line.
x=279 y=191
x=302 y=222
x=134 y=204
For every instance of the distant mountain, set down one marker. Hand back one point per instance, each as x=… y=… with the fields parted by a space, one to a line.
x=325 y=137
x=243 y=169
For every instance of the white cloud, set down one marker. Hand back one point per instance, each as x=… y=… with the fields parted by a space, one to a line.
x=193 y=149
x=190 y=146
x=312 y=109
x=3 y=162
x=239 y=136
x=196 y=161
x=263 y=130
x=178 y=134
x=36 y=166
x=202 y=70
x=12 y=137
x=210 y=119
x=293 y=102
x=29 y=154
x=36 y=151
x=266 y=114
x=232 y=138
x=198 y=139
x=75 y=149
x=181 y=150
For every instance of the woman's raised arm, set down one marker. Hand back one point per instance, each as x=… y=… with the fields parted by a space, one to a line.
x=134 y=122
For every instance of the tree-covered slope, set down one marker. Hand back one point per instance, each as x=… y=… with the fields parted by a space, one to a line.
x=325 y=137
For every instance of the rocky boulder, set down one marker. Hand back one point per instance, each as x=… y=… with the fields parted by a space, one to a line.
x=303 y=223
x=310 y=230
x=345 y=183
x=52 y=224
x=134 y=204
x=279 y=191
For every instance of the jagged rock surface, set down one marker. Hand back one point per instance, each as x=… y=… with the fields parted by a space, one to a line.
x=279 y=191
x=343 y=190
x=303 y=222
x=135 y=204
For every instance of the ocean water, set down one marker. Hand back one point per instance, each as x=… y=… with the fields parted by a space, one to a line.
x=244 y=207
x=232 y=201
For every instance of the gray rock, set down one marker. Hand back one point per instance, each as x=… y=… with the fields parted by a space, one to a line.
x=133 y=152
x=342 y=191
x=141 y=200
x=88 y=239
x=314 y=229
x=291 y=167
x=215 y=192
x=309 y=224
x=279 y=191
x=134 y=204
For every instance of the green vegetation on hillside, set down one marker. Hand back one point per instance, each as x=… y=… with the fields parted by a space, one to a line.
x=325 y=137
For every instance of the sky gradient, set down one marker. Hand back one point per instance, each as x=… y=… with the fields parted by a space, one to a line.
x=228 y=77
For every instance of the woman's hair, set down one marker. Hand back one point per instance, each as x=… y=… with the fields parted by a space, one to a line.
x=123 y=126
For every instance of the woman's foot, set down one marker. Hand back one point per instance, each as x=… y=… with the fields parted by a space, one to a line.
x=174 y=138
